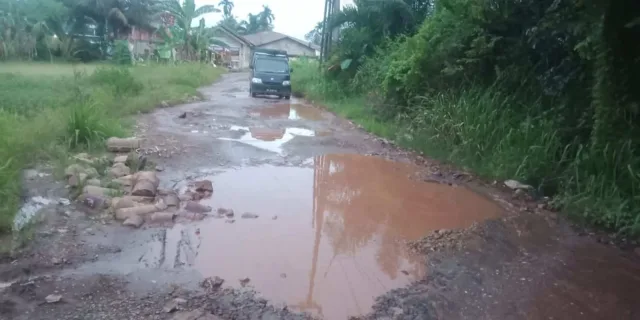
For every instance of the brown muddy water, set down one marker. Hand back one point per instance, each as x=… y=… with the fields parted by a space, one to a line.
x=329 y=237
x=291 y=111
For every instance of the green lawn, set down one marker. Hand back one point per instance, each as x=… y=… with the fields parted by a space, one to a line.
x=47 y=110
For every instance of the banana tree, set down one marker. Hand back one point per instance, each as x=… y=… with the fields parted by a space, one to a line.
x=170 y=42
x=184 y=15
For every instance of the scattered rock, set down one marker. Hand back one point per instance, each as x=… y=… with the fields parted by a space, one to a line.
x=56 y=261
x=122 y=144
x=134 y=221
x=173 y=305
x=193 y=216
x=141 y=210
x=93 y=202
x=121 y=159
x=405 y=272
x=53 y=298
x=204 y=186
x=146 y=184
x=172 y=200
x=244 y=282
x=225 y=212
x=64 y=201
x=230 y=221
x=93 y=182
x=119 y=170
x=274 y=218
x=212 y=283
x=162 y=217
x=98 y=191
x=85 y=158
x=77 y=179
x=249 y=215
x=125 y=181
x=73 y=169
x=283 y=275
x=518 y=193
x=161 y=205
x=197 y=207
x=183 y=115
x=159 y=168
x=513 y=184
x=165 y=104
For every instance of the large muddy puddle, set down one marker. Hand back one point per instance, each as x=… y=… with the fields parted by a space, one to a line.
x=328 y=239
x=291 y=111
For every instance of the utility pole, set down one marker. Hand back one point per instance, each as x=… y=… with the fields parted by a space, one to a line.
x=328 y=36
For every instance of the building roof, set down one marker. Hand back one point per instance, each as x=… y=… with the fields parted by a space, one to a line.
x=265 y=37
x=235 y=35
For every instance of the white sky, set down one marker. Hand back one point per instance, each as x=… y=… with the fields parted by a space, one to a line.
x=293 y=17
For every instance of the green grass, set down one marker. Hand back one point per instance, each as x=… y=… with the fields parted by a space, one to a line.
x=499 y=137
x=48 y=110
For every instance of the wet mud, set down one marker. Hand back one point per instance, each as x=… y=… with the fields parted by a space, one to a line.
x=305 y=222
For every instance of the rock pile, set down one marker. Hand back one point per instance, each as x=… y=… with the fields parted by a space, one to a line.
x=123 y=187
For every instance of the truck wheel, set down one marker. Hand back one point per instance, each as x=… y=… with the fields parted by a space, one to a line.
x=287 y=97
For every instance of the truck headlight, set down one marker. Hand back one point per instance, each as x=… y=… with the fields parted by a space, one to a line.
x=286 y=83
x=256 y=80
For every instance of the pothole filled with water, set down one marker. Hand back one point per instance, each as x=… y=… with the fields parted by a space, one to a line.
x=327 y=239
x=269 y=139
x=291 y=111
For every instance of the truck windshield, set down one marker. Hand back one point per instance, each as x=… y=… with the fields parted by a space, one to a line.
x=272 y=65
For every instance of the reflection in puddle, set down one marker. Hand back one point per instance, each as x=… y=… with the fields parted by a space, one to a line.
x=288 y=111
x=269 y=139
x=328 y=239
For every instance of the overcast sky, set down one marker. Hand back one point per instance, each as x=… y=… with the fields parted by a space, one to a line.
x=293 y=17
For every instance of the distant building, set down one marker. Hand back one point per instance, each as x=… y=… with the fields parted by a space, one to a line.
x=240 y=48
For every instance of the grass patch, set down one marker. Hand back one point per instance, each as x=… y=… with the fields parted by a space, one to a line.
x=46 y=110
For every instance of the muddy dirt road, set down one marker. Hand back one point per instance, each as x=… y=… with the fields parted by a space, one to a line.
x=311 y=217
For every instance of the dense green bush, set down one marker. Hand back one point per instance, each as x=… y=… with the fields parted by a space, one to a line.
x=544 y=91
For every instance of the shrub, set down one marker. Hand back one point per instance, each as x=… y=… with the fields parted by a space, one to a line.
x=119 y=79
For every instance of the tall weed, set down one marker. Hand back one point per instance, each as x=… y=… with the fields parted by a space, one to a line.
x=119 y=79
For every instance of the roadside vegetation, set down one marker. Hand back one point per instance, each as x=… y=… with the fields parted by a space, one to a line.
x=48 y=110
x=68 y=79
x=544 y=92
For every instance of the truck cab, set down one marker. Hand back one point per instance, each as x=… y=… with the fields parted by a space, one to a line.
x=270 y=73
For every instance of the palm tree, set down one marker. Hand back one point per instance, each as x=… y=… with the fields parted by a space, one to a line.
x=364 y=25
x=251 y=25
x=227 y=7
x=184 y=15
x=265 y=18
x=315 y=36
